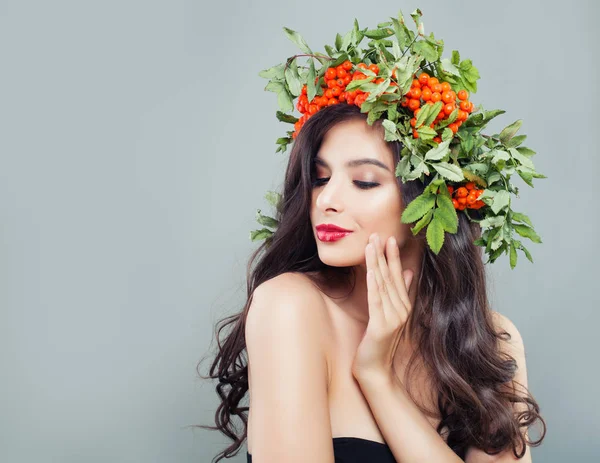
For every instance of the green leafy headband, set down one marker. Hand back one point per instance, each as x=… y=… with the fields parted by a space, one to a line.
x=424 y=101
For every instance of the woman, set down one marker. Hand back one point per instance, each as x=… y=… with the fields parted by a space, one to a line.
x=308 y=309
x=368 y=340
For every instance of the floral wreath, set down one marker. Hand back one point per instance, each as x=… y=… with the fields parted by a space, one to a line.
x=425 y=103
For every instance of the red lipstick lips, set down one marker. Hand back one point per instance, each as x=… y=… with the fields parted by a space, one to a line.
x=329 y=232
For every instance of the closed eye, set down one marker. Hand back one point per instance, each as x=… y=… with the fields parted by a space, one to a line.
x=362 y=185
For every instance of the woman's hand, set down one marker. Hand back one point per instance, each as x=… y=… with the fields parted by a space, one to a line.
x=389 y=307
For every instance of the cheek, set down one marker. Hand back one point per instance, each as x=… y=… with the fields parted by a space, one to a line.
x=381 y=214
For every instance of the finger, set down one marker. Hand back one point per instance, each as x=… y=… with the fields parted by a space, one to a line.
x=395 y=265
x=395 y=302
x=373 y=296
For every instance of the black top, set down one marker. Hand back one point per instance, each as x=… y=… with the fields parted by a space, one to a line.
x=357 y=450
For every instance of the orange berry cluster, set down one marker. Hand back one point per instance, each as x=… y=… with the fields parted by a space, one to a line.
x=334 y=91
x=466 y=196
x=429 y=90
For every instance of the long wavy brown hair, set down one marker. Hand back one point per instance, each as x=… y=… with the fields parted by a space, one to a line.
x=451 y=320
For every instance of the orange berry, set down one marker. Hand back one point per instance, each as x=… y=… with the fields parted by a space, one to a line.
x=413 y=121
x=453 y=127
x=447 y=97
x=449 y=108
x=413 y=104
x=415 y=133
x=426 y=93
x=424 y=78
x=436 y=88
x=446 y=87
x=416 y=83
x=432 y=81
x=470 y=186
x=331 y=73
x=462 y=192
x=455 y=203
x=450 y=189
x=414 y=93
x=463 y=95
x=436 y=96
x=374 y=68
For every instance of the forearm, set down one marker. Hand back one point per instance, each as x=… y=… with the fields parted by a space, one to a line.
x=405 y=428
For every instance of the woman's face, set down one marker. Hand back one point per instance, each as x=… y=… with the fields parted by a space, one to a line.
x=340 y=198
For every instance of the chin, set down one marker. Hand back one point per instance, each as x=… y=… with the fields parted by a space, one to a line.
x=340 y=258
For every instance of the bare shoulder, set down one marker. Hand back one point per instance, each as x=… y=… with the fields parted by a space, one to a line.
x=514 y=346
x=503 y=323
x=289 y=294
x=288 y=382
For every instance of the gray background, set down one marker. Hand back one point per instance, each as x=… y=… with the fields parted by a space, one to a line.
x=136 y=145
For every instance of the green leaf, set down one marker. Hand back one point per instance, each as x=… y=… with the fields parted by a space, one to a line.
x=513 y=256
x=520 y=217
x=273 y=198
x=275 y=72
x=423 y=221
x=526 y=251
x=515 y=141
x=285 y=101
x=293 y=79
x=266 y=220
x=527 y=232
x=379 y=33
x=497 y=155
x=455 y=57
x=426 y=50
x=401 y=33
x=435 y=235
x=523 y=160
x=525 y=151
x=298 y=40
x=501 y=200
x=289 y=118
x=338 y=42
x=311 y=85
x=403 y=166
x=263 y=233
x=426 y=133
x=418 y=207
x=449 y=171
x=391 y=133
x=438 y=152
x=509 y=131
x=447 y=134
x=449 y=67
x=446 y=214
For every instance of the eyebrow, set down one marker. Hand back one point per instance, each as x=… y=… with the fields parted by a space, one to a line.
x=356 y=163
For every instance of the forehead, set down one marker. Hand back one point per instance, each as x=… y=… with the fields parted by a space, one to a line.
x=354 y=139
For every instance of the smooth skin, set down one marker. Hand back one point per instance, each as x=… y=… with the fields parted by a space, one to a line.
x=288 y=328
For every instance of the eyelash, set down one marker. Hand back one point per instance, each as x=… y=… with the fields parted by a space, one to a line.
x=359 y=184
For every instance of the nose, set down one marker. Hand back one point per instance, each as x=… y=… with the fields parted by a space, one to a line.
x=329 y=196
